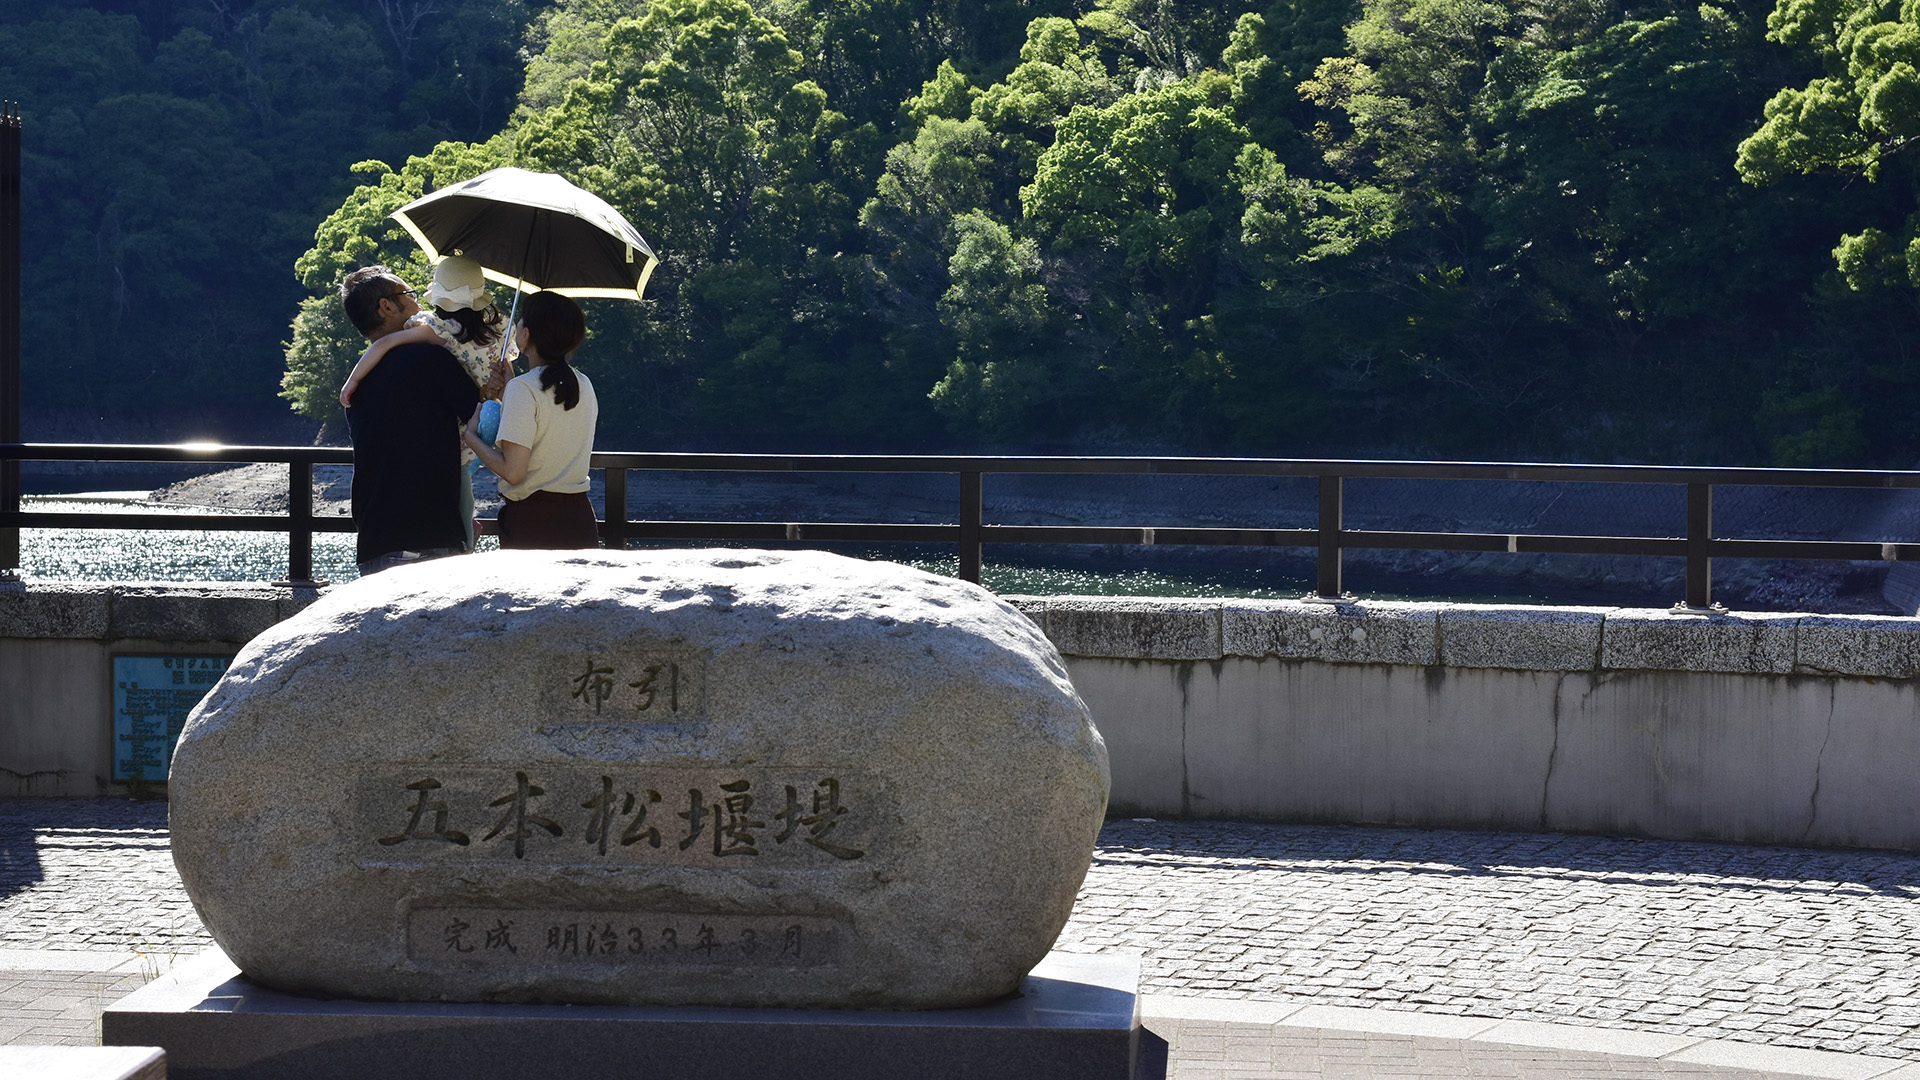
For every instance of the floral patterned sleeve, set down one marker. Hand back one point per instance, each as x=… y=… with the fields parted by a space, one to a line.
x=478 y=359
x=442 y=327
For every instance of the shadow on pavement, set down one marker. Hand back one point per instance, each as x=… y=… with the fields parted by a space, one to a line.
x=19 y=861
x=1337 y=849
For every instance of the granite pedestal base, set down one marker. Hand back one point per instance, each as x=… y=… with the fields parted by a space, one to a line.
x=1076 y=1018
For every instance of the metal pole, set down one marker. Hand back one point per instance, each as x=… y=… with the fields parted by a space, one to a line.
x=300 y=527
x=972 y=512
x=9 y=329
x=614 y=531
x=1328 y=586
x=1699 y=536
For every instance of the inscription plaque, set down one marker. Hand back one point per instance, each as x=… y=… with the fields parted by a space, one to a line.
x=517 y=937
x=152 y=696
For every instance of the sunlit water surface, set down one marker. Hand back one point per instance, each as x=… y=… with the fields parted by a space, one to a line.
x=199 y=555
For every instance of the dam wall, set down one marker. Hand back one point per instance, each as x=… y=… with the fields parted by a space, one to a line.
x=1761 y=728
x=58 y=643
x=1766 y=728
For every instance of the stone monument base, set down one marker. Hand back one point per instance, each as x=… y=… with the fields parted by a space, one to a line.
x=1077 y=1016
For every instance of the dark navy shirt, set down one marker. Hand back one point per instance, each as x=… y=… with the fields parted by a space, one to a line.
x=405 y=420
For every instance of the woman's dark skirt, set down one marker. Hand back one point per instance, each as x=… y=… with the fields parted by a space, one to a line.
x=549 y=520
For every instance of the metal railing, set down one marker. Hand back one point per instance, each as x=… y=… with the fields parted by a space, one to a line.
x=970 y=532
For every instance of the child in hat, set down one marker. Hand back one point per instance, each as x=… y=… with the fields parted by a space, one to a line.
x=459 y=316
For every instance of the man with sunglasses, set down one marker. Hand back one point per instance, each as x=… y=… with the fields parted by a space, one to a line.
x=405 y=421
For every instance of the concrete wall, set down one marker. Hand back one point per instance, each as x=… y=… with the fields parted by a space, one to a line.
x=1760 y=728
x=56 y=641
x=1793 y=729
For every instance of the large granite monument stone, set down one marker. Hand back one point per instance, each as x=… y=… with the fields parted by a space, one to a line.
x=721 y=778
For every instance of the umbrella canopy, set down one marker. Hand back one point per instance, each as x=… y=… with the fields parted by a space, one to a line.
x=533 y=231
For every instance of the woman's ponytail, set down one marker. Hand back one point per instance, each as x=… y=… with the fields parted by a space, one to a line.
x=555 y=328
x=558 y=376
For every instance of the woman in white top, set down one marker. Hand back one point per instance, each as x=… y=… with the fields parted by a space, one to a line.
x=545 y=444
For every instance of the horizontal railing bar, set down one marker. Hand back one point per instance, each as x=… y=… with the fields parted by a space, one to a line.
x=1329 y=538
x=1523 y=543
x=1282 y=467
x=1378 y=540
x=1856 y=550
x=185 y=453
x=1519 y=543
x=1183 y=466
x=1121 y=534
x=840 y=531
x=36 y=519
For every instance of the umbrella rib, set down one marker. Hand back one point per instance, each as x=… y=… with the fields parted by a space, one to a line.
x=526 y=251
x=526 y=256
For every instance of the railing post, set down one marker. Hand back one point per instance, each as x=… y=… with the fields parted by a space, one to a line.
x=972 y=512
x=1699 y=536
x=9 y=330
x=613 y=532
x=1328 y=585
x=300 y=527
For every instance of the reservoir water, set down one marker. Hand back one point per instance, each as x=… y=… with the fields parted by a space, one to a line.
x=1055 y=570
x=199 y=555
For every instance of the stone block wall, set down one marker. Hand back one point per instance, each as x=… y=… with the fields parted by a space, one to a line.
x=1793 y=729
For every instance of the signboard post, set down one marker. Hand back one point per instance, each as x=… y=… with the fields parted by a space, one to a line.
x=152 y=696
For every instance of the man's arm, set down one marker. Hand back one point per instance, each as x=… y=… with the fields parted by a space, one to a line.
x=412 y=335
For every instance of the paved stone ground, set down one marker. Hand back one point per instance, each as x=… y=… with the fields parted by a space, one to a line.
x=62 y=1008
x=1787 y=948
x=1215 y=1050
x=92 y=874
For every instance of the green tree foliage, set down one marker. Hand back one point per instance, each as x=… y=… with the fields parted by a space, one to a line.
x=1411 y=91
x=1857 y=117
x=997 y=310
x=1448 y=227
x=177 y=158
x=703 y=122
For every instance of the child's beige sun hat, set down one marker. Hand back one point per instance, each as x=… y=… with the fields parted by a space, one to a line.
x=458 y=283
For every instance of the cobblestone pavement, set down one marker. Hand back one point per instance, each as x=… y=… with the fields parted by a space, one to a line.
x=1789 y=947
x=1779 y=946
x=92 y=874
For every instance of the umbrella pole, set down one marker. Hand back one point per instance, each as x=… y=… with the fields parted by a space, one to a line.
x=519 y=289
x=506 y=337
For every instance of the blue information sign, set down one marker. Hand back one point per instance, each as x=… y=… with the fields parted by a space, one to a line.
x=152 y=696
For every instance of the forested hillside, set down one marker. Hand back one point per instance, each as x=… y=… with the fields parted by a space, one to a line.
x=179 y=154
x=1591 y=229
